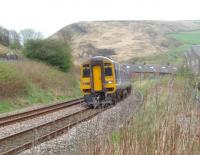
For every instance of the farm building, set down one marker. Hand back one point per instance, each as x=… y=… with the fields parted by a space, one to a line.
x=192 y=59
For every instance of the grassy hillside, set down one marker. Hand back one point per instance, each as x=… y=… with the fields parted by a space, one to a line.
x=190 y=37
x=173 y=55
x=122 y=40
x=26 y=83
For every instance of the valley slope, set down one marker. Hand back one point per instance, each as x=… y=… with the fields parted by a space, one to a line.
x=122 y=40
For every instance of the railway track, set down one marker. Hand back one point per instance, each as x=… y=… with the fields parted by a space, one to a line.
x=11 y=119
x=18 y=142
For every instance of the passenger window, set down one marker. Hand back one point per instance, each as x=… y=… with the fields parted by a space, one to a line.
x=108 y=71
x=86 y=72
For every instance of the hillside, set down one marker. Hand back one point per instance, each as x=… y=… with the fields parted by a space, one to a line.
x=122 y=40
x=21 y=86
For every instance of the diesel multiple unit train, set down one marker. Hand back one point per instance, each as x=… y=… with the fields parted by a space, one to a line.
x=104 y=82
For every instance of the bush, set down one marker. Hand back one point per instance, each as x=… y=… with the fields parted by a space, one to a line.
x=53 y=52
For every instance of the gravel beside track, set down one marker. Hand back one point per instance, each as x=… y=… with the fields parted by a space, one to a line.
x=24 y=125
x=80 y=137
x=11 y=119
x=36 y=135
x=33 y=107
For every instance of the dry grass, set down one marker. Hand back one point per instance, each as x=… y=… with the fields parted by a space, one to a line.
x=45 y=76
x=167 y=124
x=12 y=83
x=16 y=75
x=23 y=83
x=128 y=39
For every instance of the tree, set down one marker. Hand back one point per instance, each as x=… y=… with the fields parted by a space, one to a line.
x=14 y=40
x=4 y=36
x=30 y=34
x=53 y=52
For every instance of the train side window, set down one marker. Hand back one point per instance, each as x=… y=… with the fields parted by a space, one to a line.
x=86 y=72
x=108 y=71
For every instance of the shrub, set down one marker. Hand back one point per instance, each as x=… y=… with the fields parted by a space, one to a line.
x=53 y=52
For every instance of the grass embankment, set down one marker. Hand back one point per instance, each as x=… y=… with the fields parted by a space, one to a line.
x=26 y=83
x=173 y=55
x=167 y=123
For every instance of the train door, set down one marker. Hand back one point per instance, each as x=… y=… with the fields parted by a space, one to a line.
x=97 y=78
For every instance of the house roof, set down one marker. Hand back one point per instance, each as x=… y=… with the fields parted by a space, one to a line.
x=152 y=68
x=196 y=49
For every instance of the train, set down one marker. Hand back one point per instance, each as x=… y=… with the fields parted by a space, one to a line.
x=104 y=82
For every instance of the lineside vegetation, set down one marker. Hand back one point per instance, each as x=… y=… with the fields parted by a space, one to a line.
x=26 y=83
x=167 y=122
x=53 y=52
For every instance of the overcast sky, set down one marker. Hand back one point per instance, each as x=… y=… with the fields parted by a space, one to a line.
x=48 y=16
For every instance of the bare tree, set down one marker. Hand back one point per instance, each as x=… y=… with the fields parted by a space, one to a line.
x=4 y=36
x=14 y=39
x=30 y=34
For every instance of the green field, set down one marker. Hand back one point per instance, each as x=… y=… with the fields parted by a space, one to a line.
x=173 y=55
x=190 y=37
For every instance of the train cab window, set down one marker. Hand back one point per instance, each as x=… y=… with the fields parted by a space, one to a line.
x=86 y=65
x=108 y=71
x=107 y=64
x=86 y=72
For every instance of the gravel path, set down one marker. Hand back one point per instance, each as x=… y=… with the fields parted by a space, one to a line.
x=83 y=135
x=24 y=125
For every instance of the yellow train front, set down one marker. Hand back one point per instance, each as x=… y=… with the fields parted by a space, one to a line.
x=104 y=82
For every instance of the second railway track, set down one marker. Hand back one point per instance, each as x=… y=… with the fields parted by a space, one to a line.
x=21 y=140
x=11 y=119
x=18 y=142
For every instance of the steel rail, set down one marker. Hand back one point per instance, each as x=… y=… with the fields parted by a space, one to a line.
x=16 y=143
x=11 y=119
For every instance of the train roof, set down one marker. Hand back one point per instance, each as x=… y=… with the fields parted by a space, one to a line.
x=96 y=58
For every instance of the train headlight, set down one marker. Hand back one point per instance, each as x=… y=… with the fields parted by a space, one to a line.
x=86 y=83
x=109 y=82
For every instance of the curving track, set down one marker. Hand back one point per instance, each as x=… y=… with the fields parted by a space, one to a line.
x=26 y=139
x=17 y=142
x=11 y=119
